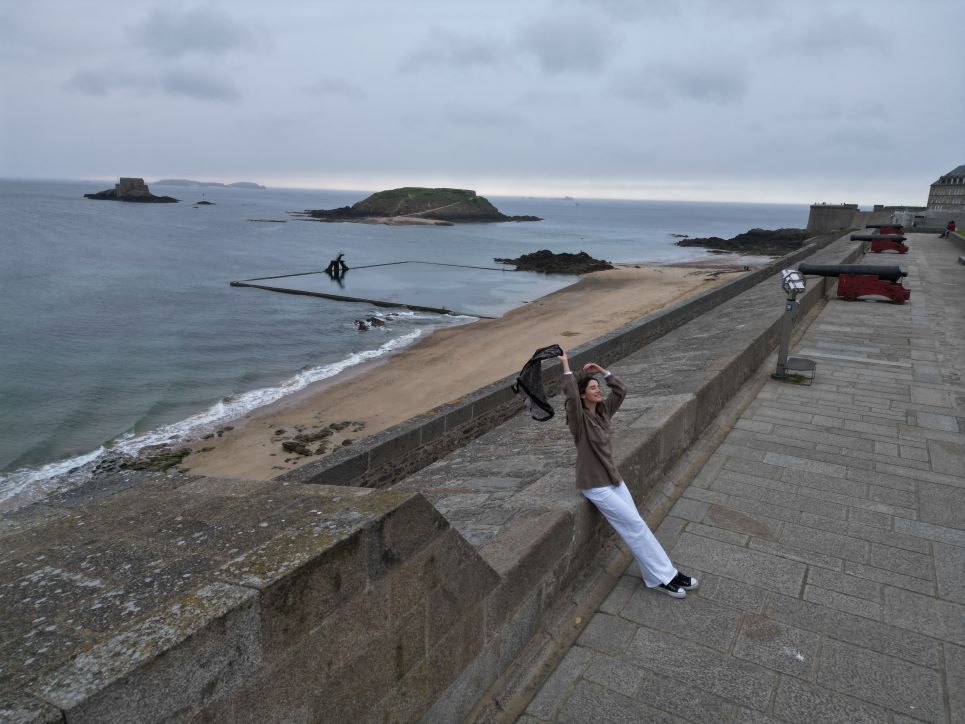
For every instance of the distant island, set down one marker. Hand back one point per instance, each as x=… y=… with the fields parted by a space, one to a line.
x=189 y=182
x=756 y=242
x=417 y=205
x=131 y=189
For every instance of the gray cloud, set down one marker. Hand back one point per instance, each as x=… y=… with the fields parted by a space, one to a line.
x=31 y=37
x=483 y=117
x=568 y=43
x=173 y=34
x=446 y=49
x=833 y=33
x=13 y=39
x=102 y=82
x=821 y=111
x=552 y=99
x=329 y=86
x=860 y=138
x=719 y=85
x=198 y=86
x=171 y=82
x=624 y=10
x=861 y=110
x=852 y=109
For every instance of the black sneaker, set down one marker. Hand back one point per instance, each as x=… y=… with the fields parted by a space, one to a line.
x=685 y=582
x=672 y=589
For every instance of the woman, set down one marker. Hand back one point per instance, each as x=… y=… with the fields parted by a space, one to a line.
x=588 y=417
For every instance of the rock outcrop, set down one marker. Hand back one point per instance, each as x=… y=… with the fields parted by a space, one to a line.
x=756 y=242
x=131 y=189
x=418 y=205
x=549 y=263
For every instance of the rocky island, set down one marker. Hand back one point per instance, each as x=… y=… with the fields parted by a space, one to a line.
x=131 y=189
x=416 y=205
x=756 y=242
x=547 y=262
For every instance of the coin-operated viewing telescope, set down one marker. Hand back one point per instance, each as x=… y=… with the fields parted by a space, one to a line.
x=793 y=284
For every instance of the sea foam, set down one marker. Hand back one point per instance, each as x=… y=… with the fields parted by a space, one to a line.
x=30 y=484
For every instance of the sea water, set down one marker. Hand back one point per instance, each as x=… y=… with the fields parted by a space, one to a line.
x=118 y=327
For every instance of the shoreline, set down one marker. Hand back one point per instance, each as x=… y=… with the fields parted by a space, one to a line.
x=445 y=365
x=230 y=448
x=356 y=399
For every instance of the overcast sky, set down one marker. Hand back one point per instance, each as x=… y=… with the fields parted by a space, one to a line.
x=732 y=100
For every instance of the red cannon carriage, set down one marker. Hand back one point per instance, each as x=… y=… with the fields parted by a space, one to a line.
x=883 y=242
x=887 y=228
x=859 y=280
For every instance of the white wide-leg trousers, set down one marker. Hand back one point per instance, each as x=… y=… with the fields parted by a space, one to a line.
x=617 y=506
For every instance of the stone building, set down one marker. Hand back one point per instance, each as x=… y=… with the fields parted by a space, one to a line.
x=131 y=187
x=948 y=192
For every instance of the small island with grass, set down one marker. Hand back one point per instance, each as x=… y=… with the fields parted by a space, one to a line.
x=417 y=205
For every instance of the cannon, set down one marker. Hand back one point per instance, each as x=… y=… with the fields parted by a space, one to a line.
x=887 y=228
x=858 y=280
x=888 y=273
x=883 y=242
x=872 y=237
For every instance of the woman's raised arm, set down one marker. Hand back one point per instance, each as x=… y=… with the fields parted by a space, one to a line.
x=573 y=405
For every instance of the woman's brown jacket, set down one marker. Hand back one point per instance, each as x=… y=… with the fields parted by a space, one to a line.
x=591 y=433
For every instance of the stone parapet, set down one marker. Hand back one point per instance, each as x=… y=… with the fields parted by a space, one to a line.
x=182 y=598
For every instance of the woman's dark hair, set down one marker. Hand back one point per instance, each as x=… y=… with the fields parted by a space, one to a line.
x=582 y=380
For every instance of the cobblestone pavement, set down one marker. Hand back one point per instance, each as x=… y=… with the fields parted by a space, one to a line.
x=828 y=533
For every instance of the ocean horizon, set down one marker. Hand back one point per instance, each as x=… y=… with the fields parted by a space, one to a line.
x=120 y=329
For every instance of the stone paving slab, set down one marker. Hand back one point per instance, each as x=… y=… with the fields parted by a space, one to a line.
x=828 y=531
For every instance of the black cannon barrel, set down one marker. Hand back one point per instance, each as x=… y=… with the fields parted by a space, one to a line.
x=884 y=226
x=877 y=237
x=888 y=273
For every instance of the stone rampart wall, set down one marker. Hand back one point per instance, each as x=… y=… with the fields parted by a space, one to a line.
x=174 y=598
x=824 y=218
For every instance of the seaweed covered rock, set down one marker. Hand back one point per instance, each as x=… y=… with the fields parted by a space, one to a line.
x=548 y=262
x=756 y=242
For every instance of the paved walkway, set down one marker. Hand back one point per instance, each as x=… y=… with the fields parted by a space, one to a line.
x=828 y=533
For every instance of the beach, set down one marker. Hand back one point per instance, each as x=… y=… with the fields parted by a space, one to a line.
x=445 y=366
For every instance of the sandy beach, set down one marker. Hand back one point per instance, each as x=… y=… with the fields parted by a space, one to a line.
x=448 y=364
